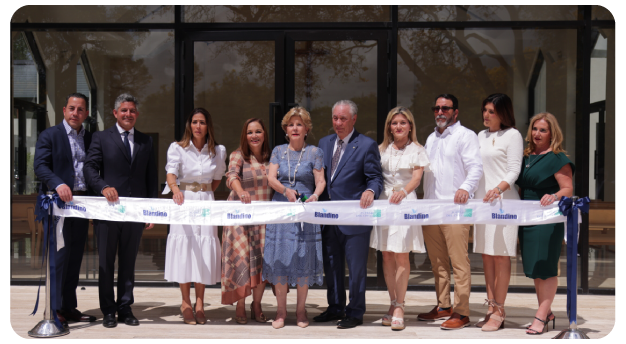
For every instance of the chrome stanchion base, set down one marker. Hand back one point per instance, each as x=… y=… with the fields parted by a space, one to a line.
x=571 y=333
x=47 y=329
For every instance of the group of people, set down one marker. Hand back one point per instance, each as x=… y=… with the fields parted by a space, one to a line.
x=455 y=164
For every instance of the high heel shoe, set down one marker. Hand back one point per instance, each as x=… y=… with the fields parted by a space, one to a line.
x=543 y=330
x=303 y=324
x=498 y=315
x=551 y=317
x=387 y=317
x=187 y=314
x=397 y=324
x=200 y=317
x=482 y=322
x=261 y=318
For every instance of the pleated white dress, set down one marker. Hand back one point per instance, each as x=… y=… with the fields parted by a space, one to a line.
x=193 y=252
x=501 y=152
x=400 y=239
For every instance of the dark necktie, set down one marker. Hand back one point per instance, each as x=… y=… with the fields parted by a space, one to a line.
x=127 y=144
x=335 y=161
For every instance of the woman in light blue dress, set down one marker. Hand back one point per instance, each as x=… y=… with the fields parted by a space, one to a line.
x=293 y=254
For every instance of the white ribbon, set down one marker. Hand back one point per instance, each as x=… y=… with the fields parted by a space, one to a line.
x=222 y=213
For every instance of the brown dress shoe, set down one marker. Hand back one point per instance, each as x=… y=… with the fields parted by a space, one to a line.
x=455 y=322
x=435 y=314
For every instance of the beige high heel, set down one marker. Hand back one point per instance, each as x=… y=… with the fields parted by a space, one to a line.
x=397 y=324
x=387 y=317
x=482 y=322
x=187 y=314
x=498 y=315
x=200 y=317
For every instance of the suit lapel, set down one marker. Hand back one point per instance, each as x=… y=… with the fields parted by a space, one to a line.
x=328 y=154
x=117 y=139
x=137 y=146
x=351 y=147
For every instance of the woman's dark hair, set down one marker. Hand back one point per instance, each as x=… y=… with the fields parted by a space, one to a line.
x=245 y=147
x=210 y=138
x=503 y=106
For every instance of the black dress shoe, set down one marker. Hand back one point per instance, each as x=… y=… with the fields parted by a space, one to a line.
x=128 y=319
x=109 y=320
x=76 y=315
x=349 y=322
x=327 y=316
x=62 y=320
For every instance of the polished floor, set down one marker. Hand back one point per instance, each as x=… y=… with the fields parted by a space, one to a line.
x=158 y=311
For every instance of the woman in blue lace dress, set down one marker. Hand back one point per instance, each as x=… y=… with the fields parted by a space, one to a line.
x=293 y=254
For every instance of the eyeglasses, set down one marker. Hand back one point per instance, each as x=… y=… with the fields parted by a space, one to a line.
x=442 y=108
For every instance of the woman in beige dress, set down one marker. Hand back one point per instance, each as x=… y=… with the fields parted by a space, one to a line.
x=403 y=161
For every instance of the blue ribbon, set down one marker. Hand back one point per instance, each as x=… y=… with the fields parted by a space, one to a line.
x=570 y=208
x=44 y=214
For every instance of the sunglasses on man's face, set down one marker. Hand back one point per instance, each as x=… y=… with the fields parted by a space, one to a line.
x=442 y=108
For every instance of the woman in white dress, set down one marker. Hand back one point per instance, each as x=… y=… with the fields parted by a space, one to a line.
x=195 y=166
x=501 y=149
x=403 y=161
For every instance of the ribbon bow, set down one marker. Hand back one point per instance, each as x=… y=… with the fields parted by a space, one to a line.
x=44 y=214
x=569 y=207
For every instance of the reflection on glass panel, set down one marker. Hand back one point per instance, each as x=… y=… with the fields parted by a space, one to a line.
x=234 y=81
x=285 y=14
x=602 y=160
x=421 y=13
x=94 y=14
x=24 y=70
x=328 y=71
x=474 y=63
x=601 y=13
x=140 y=63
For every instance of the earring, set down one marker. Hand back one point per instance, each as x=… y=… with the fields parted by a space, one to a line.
x=287 y=137
x=306 y=135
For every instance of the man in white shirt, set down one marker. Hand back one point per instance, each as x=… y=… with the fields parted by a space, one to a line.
x=455 y=169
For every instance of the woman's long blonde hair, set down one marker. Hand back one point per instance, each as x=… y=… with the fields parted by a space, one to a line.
x=388 y=136
x=556 y=135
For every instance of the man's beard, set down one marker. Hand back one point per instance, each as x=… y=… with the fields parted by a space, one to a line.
x=443 y=124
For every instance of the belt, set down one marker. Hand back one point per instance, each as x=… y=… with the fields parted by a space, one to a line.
x=79 y=193
x=195 y=187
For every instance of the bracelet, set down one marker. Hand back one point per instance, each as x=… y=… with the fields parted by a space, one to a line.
x=555 y=198
x=317 y=198
x=405 y=193
x=285 y=192
x=499 y=190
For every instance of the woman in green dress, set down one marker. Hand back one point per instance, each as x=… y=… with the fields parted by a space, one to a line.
x=546 y=176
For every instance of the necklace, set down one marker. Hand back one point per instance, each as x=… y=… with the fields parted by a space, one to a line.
x=292 y=183
x=394 y=171
x=530 y=162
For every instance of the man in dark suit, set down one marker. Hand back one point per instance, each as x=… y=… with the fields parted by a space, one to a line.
x=59 y=159
x=353 y=172
x=120 y=162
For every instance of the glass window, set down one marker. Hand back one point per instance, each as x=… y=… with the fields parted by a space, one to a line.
x=94 y=14
x=285 y=14
x=601 y=13
x=602 y=160
x=140 y=63
x=474 y=63
x=421 y=13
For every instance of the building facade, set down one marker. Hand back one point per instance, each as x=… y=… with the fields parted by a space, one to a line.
x=259 y=61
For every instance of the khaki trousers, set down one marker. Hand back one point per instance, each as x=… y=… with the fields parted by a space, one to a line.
x=445 y=243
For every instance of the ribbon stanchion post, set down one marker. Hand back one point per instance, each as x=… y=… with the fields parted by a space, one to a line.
x=50 y=326
x=569 y=207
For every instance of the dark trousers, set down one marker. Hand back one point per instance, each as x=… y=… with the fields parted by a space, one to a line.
x=122 y=238
x=68 y=261
x=352 y=249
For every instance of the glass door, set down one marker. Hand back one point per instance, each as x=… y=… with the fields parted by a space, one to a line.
x=327 y=66
x=235 y=76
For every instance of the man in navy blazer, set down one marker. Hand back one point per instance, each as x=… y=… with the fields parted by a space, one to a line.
x=353 y=172
x=59 y=158
x=120 y=162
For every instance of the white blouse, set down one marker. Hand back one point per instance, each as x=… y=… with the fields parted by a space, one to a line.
x=501 y=153
x=398 y=165
x=190 y=166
